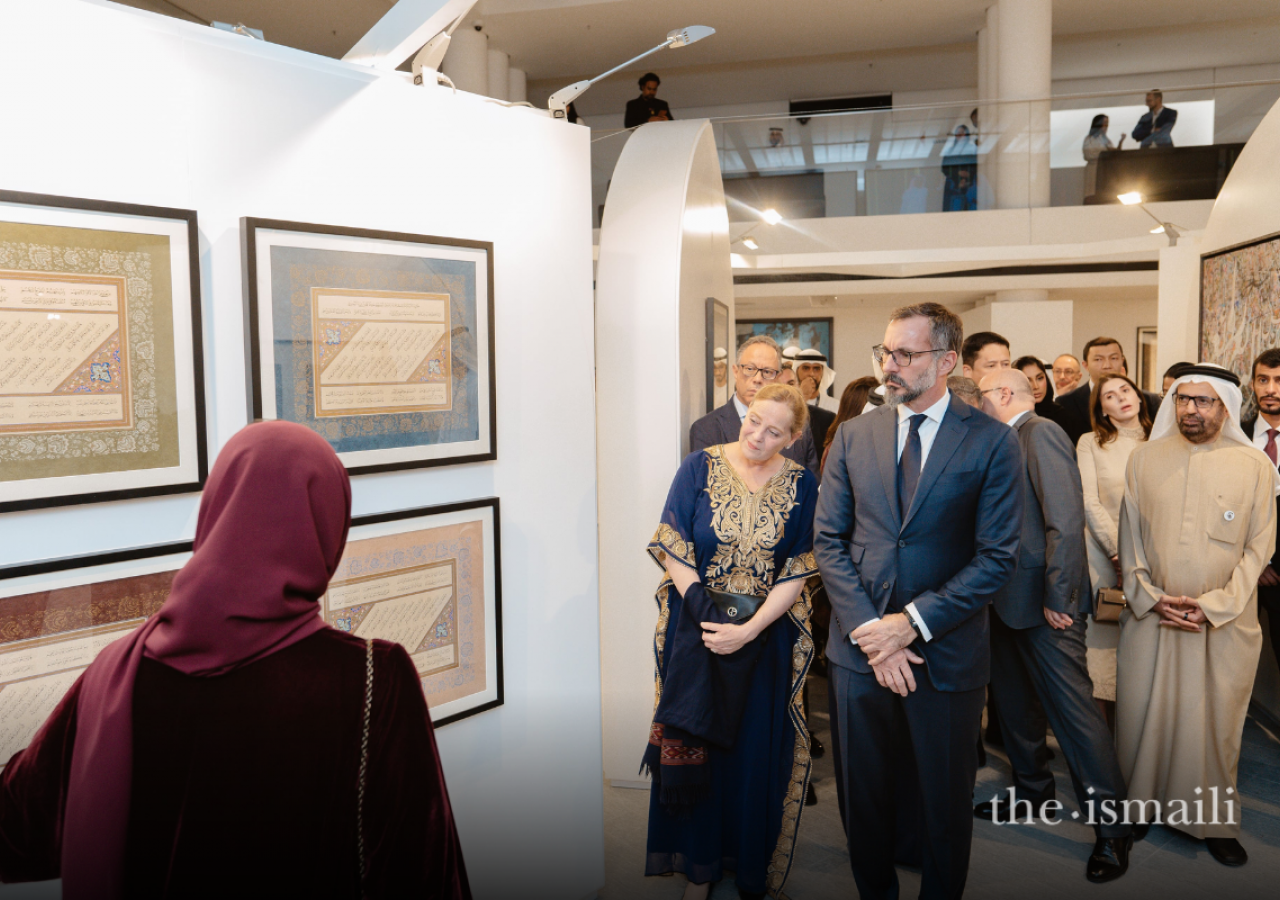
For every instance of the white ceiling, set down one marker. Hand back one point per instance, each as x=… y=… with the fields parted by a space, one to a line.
x=553 y=38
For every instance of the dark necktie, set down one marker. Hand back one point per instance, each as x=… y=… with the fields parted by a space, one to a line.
x=1270 y=449
x=909 y=465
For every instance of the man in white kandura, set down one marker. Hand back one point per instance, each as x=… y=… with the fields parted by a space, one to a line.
x=1197 y=526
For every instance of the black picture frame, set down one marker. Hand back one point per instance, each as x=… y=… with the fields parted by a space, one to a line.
x=795 y=324
x=90 y=560
x=718 y=339
x=196 y=462
x=485 y=448
x=426 y=512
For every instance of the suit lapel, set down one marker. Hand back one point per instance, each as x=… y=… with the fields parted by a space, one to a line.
x=730 y=424
x=951 y=432
x=886 y=450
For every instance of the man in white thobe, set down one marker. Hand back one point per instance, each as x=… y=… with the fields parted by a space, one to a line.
x=1196 y=528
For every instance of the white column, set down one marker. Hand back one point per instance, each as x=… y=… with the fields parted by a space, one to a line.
x=1178 y=303
x=467 y=62
x=984 y=86
x=1032 y=324
x=1022 y=295
x=517 y=86
x=499 y=68
x=1024 y=51
x=989 y=114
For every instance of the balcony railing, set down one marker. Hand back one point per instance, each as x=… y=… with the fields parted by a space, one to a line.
x=955 y=157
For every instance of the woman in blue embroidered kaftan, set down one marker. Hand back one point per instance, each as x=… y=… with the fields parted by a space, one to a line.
x=731 y=796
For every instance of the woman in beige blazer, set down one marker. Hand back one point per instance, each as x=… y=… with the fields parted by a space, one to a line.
x=1120 y=422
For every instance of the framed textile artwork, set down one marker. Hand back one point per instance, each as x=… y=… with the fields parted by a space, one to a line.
x=1240 y=304
x=381 y=343
x=719 y=349
x=429 y=580
x=803 y=334
x=1147 y=374
x=101 y=374
x=56 y=616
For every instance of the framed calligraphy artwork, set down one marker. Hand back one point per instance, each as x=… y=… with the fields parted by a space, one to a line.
x=429 y=579
x=101 y=373
x=381 y=343
x=1240 y=304
x=57 y=615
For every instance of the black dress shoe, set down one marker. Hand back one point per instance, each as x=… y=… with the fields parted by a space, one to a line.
x=816 y=750
x=1109 y=860
x=1227 y=851
x=1140 y=832
x=810 y=796
x=988 y=810
x=749 y=895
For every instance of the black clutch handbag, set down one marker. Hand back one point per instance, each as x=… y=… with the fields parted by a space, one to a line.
x=736 y=607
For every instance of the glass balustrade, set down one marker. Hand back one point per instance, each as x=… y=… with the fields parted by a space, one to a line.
x=958 y=157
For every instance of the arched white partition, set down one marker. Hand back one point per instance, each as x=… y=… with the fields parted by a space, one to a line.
x=664 y=249
x=1248 y=208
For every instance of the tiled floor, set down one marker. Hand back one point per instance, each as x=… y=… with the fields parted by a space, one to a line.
x=1037 y=862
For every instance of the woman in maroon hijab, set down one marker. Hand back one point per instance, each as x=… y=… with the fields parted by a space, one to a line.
x=214 y=752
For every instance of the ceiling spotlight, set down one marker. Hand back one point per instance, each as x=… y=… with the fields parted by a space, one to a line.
x=772 y=216
x=1131 y=198
x=750 y=243
x=1159 y=229
x=681 y=37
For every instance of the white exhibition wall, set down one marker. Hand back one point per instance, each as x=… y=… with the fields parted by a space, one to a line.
x=664 y=249
x=1248 y=208
x=109 y=103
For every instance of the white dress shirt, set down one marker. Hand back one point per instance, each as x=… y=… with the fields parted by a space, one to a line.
x=928 y=432
x=739 y=406
x=1013 y=423
x=1259 y=435
x=928 y=428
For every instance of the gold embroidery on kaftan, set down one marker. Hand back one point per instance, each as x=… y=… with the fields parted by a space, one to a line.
x=748 y=525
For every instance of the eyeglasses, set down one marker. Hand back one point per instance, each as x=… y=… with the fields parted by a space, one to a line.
x=902 y=358
x=1202 y=403
x=766 y=374
x=991 y=390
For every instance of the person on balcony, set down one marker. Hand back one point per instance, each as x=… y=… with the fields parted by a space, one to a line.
x=647 y=107
x=960 y=168
x=1155 y=128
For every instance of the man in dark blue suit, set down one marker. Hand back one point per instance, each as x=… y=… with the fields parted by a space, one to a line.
x=759 y=362
x=917 y=527
x=1155 y=127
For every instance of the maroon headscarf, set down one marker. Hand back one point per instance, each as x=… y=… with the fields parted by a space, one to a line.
x=273 y=523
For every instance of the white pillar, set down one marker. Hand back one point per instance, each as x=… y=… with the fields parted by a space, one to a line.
x=1178 y=303
x=989 y=113
x=1022 y=295
x=499 y=67
x=1024 y=50
x=517 y=86
x=467 y=62
x=984 y=86
x=1032 y=324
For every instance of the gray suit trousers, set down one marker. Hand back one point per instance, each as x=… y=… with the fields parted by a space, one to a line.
x=1049 y=664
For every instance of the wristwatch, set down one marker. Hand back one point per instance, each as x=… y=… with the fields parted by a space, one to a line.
x=914 y=624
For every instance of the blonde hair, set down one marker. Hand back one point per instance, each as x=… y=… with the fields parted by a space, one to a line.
x=788 y=397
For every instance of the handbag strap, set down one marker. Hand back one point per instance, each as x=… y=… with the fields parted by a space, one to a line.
x=364 y=758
